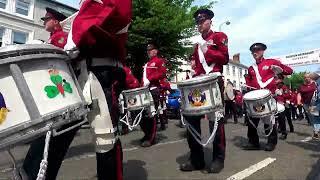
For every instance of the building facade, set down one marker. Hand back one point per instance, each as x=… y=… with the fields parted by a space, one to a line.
x=20 y=19
x=234 y=72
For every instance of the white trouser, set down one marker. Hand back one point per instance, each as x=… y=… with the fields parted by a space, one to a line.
x=99 y=116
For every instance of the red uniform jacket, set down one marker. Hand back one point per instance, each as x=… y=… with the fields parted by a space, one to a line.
x=294 y=98
x=131 y=81
x=217 y=53
x=155 y=71
x=99 y=30
x=285 y=94
x=165 y=85
x=266 y=73
x=307 y=91
x=239 y=99
x=58 y=38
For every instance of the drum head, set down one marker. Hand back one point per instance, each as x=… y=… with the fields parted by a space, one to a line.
x=256 y=94
x=199 y=79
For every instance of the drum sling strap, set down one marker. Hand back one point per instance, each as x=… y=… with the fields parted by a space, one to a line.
x=272 y=117
x=136 y=121
x=197 y=136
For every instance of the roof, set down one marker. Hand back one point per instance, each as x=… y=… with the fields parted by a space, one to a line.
x=63 y=4
x=237 y=63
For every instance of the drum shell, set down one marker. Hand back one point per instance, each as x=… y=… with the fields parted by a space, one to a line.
x=142 y=97
x=268 y=102
x=211 y=91
x=24 y=75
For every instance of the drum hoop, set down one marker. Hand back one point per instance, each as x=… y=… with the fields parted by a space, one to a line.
x=208 y=79
x=201 y=111
x=44 y=118
x=258 y=98
x=214 y=83
x=20 y=48
x=135 y=90
x=18 y=59
x=139 y=107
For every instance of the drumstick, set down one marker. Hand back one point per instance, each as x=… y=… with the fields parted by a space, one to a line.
x=249 y=86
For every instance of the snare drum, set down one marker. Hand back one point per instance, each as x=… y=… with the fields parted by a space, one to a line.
x=200 y=95
x=138 y=98
x=259 y=103
x=39 y=90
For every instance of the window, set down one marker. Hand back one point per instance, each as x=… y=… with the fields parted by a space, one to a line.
x=246 y=71
x=1 y=35
x=19 y=37
x=234 y=83
x=228 y=70
x=240 y=71
x=22 y=7
x=3 y=4
x=233 y=70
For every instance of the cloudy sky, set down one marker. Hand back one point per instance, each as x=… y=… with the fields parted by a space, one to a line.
x=286 y=26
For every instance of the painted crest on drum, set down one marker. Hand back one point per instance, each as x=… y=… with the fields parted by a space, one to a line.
x=132 y=101
x=3 y=109
x=197 y=98
x=259 y=108
x=61 y=86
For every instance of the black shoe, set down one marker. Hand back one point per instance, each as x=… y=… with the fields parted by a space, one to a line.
x=146 y=144
x=283 y=137
x=236 y=121
x=250 y=146
x=270 y=147
x=189 y=167
x=292 y=130
x=143 y=139
x=216 y=166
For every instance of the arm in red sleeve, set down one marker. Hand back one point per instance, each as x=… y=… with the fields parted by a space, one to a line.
x=131 y=81
x=286 y=69
x=159 y=72
x=250 y=79
x=218 y=53
x=59 y=39
x=307 y=89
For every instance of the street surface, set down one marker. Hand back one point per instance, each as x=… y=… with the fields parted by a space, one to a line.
x=295 y=158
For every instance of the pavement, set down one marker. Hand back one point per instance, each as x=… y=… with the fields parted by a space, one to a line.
x=295 y=158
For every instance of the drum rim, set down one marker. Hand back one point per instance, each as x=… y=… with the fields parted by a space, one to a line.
x=257 y=98
x=43 y=118
x=23 y=52
x=135 y=90
x=199 y=79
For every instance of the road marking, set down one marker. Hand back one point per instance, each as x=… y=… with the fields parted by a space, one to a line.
x=306 y=139
x=252 y=169
x=6 y=170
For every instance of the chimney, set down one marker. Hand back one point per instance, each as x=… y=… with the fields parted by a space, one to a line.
x=236 y=58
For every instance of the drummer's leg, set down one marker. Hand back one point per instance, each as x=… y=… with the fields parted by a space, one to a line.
x=281 y=119
x=252 y=131
x=219 y=147
x=196 y=150
x=288 y=116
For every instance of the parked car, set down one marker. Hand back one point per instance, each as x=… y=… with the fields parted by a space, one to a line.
x=173 y=103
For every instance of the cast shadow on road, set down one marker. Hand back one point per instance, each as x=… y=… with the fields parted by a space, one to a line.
x=133 y=169
x=240 y=141
x=302 y=134
x=311 y=146
x=80 y=150
x=159 y=138
x=207 y=157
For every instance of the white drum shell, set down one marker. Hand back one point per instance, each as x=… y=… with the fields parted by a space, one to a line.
x=33 y=63
x=210 y=95
x=259 y=103
x=138 y=98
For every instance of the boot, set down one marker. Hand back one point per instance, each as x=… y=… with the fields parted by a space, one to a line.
x=188 y=166
x=216 y=166
x=283 y=137
x=270 y=147
x=250 y=146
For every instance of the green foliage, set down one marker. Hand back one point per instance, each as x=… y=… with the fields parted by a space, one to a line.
x=167 y=23
x=296 y=79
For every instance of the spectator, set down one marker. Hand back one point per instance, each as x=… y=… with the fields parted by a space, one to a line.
x=239 y=103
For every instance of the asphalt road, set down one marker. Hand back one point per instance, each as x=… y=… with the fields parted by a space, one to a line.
x=295 y=158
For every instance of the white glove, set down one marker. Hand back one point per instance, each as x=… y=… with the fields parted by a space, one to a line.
x=276 y=69
x=278 y=92
x=73 y=53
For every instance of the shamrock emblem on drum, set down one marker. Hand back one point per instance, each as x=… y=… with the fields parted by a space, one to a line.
x=197 y=97
x=3 y=109
x=60 y=85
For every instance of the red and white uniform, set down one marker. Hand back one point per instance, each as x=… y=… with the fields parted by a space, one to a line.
x=154 y=72
x=283 y=95
x=261 y=75
x=216 y=55
x=131 y=81
x=58 y=38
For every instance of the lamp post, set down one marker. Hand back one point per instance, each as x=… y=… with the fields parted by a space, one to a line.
x=226 y=22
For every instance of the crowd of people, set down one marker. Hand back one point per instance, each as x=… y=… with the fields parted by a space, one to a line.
x=99 y=42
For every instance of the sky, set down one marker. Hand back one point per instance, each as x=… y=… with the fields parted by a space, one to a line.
x=285 y=26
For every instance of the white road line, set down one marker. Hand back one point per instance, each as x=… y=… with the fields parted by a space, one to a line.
x=306 y=139
x=252 y=169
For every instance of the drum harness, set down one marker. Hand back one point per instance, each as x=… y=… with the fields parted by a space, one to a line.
x=197 y=136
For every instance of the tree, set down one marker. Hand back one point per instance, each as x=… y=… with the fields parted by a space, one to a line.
x=168 y=24
x=295 y=80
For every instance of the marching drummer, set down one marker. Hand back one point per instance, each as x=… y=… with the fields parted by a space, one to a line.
x=261 y=76
x=101 y=41
x=214 y=54
x=154 y=72
x=51 y=22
